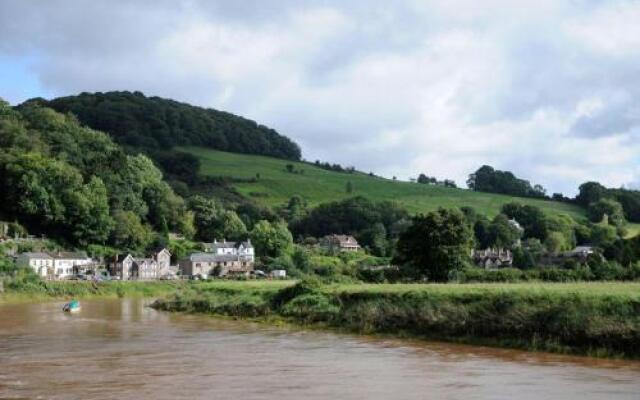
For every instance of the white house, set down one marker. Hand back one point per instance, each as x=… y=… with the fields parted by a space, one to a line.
x=228 y=257
x=40 y=262
x=162 y=257
x=66 y=264
x=243 y=250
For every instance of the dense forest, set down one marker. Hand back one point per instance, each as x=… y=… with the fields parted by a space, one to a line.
x=154 y=123
x=75 y=184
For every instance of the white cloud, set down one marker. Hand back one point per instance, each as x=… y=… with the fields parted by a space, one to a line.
x=548 y=89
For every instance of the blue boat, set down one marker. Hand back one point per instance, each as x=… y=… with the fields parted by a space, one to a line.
x=72 y=306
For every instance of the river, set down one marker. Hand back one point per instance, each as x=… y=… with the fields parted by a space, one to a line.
x=121 y=349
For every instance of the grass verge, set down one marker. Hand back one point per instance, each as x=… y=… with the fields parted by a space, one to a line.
x=601 y=319
x=44 y=291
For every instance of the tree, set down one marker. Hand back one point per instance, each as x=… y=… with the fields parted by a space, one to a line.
x=611 y=208
x=487 y=179
x=434 y=245
x=205 y=216
x=271 y=240
x=230 y=226
x=590 y=192
x=211 y=221
x=531 y=218
x=350 y=217
x=349 y=187
x=503 y=233
x=88 y=214
x=555 y=242
x=295 y=209
x=290 y=168
x=375 y=238
x=129 y=232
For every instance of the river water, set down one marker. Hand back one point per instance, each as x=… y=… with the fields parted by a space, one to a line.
x=121 y=349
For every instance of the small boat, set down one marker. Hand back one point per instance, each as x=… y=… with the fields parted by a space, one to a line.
x=72 y=306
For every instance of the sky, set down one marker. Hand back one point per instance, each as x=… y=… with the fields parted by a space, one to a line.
x=548 y=89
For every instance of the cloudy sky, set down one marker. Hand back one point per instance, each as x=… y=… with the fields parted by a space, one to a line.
x=549 y=89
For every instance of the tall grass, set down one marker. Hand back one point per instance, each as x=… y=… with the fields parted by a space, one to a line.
x=592 y=318
x=37 y=290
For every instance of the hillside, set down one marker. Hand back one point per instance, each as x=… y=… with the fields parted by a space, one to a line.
x=276 y=185
x=155 y=123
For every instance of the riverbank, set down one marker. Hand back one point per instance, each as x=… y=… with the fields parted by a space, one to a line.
x=600 y=319
x=38 y=291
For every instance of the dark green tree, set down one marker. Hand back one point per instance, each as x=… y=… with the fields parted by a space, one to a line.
x=434 y=245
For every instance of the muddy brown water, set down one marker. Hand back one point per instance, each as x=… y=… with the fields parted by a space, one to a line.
x=121 y=349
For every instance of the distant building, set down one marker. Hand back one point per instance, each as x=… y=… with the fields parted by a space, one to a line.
x=144 y=269
x=66 y=263
x=221 y=258
x=492 y=258
x=162 y=258
x=128 y=267
x=40 y=262
x=339 y=243
x=278 y=273
x=581 y=252
x=56 y=265
x=122 y=266
x=243 y=250
x=519 y=228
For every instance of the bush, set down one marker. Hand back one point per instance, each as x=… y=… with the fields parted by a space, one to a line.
x=311 y=307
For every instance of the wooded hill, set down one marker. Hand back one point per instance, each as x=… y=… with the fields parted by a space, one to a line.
x=154 y=123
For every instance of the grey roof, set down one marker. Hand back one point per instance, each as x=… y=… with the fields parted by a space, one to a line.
x=37 y=255
x=69 y=255
x=229 y=245
x=122 y=257
x=143 y=259
x=210 y=257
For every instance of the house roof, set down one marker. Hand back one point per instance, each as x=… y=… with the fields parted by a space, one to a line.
x=37 y=255
x=140 y=260
x=229 y=245
x=70 y=255
x=122 y=257
x=342 y=239
x=211 y=257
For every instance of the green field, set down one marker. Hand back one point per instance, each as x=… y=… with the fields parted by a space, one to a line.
x=275 y=186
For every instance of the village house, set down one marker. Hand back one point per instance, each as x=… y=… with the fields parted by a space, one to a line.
x=58 y=265
x=221 y=258
x=492 y=258
x=579 y=254
x=162 y=257
x=40 y=262
x=128 y=267
x=66 y=264
x=242 y=249
x=339 y=243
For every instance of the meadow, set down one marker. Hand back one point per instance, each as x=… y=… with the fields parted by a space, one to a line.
x=275 y=186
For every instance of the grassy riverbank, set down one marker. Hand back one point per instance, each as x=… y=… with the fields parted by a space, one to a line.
x=43 y=290
x=588 y=318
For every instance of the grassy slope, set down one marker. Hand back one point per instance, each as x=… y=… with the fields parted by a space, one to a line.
x=317 y=185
